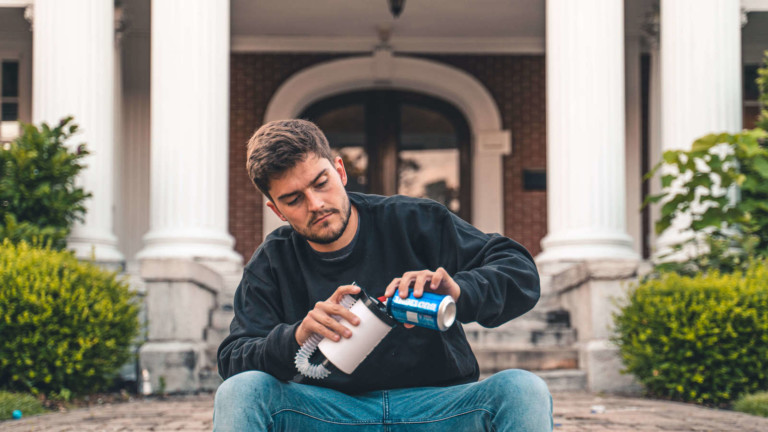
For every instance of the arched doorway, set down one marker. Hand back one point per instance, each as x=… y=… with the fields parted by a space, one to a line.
x=384 y=71
x=399 y=142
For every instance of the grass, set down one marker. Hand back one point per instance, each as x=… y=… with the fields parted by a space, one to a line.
x=24 y=402
x=755 y=404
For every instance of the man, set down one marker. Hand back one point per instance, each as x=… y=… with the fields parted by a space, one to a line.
x=416 y=379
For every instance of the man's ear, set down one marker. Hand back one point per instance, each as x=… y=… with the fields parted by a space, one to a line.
x=338 y=164
x=273 y=207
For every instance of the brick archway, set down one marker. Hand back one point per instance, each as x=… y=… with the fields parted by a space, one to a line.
x=384 y=70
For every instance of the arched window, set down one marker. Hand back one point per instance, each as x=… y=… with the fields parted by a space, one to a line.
x=397 y=142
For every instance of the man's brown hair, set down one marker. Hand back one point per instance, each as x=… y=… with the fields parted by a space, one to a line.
x=279 y=146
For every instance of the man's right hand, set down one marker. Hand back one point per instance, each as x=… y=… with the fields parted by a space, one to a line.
x=320 y=321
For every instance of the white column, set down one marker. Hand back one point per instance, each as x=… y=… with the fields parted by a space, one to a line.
x=189 y=131
x=585 y=132
x=73 y=74
x=700 y=78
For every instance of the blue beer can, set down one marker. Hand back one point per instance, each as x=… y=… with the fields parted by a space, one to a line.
x=433 y=311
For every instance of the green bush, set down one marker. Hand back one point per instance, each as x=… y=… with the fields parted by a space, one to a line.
x=702 y=339
x=729 y=227
x=39 y=200
x=762 y=85
x=755 y=404
x=67 y=326
x=26 y=403
x=714 y=164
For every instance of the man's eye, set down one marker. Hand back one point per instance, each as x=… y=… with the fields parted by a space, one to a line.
x=322 y=184
x=293 y=201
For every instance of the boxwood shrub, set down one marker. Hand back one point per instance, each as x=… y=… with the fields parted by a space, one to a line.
x=66 y=325
x=701 y=339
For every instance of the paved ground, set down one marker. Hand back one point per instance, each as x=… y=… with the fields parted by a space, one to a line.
x=573 y=413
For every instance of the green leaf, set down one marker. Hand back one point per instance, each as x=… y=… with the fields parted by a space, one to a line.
x=761 y=166
x=704 y=143
x=671 y=156
x=653 y=199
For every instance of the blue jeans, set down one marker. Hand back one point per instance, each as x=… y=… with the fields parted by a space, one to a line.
x=512 y=400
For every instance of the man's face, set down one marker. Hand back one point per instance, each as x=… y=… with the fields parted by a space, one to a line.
x=312 y=199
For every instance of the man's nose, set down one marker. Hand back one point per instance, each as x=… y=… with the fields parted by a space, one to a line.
x=315 y=201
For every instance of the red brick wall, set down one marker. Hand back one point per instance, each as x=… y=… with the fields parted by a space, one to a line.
x=254 y=79
x=515 y=82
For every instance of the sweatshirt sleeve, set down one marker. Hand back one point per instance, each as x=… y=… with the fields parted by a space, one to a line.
x=260 y=338
x=497 y=276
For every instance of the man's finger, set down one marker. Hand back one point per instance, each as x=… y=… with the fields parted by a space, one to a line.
x=390 y=291
x=342 y=291
x=418 y=286
x=437 y=279
x=318 y=321
x=405 y=283
x=339 y=310
x=329 y=326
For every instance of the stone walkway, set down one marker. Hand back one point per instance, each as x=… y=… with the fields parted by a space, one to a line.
x=573 y=413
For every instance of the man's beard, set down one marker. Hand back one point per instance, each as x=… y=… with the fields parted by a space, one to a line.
x=328 y=237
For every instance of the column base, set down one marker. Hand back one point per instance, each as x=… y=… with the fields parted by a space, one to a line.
x=602 y=361
x=587 y=246
x=195 y=244
x=90 y=245
x=173 y=366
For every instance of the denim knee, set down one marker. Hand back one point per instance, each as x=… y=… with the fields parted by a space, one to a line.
x=245 y=402
x=518 y=390
x=521 y=399
x=517 y=381
x=246 y=388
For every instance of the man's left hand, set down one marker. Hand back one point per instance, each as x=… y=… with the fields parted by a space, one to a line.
x=438 y=281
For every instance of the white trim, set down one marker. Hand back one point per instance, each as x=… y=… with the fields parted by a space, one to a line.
x=531 y=45
x=754 y=5
x=383 y=70
x=21 y=50
x=16 y=3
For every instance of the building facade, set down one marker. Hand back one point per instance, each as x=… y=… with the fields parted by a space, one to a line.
x=532 y=118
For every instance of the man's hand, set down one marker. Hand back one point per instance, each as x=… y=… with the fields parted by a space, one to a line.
x=438 y=281
x=320 y=321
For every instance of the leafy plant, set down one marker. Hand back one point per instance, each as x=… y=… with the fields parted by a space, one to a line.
x=726 y=229
x=715 y=252
x=702 y=339
x=755 y=404
x=714 y=164
x=67 y=326
x=24 y=402
x=762 y=85
x=39 y=200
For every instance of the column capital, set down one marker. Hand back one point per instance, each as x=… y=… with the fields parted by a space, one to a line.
x=29 y=15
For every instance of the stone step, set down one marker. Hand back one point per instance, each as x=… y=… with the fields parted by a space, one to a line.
x=559 y=337
x=564 y=380
x=214 y=337
x=221 y=317
x=496 y=359
x=521 y=336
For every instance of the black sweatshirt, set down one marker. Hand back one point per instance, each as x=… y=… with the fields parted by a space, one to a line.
x=285 y=278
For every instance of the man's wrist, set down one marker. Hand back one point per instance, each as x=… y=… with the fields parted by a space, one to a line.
x=297 y=337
